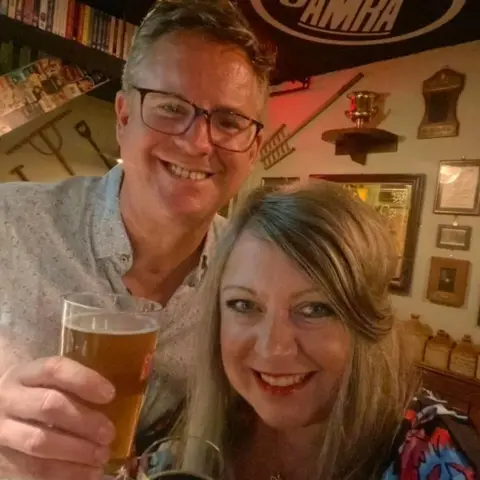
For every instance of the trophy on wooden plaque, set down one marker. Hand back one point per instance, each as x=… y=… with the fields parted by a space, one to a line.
x=362 y=107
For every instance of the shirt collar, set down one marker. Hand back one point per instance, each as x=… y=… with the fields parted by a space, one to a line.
x=209 y=247
x=109 y=235
x=110 y=238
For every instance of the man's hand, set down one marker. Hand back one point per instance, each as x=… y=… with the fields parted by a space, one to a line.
x=46 y=432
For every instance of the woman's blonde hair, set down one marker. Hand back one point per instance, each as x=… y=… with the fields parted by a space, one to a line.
x=343 y=245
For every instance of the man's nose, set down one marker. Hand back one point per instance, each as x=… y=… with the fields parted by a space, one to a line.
x=196 y=140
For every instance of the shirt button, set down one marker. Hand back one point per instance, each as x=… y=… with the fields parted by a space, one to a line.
x=124 y=258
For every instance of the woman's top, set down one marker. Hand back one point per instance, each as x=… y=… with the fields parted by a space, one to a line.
x=435 y=442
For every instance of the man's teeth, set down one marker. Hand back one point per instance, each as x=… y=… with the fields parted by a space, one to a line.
x=184 y=173
x=284 y=381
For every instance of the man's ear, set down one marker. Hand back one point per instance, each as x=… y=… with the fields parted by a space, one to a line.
x=122 y=110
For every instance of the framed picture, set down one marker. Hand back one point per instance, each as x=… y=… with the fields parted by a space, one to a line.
x=458 y=188
x=454 y=237
x=447 y=281
x=399 y=199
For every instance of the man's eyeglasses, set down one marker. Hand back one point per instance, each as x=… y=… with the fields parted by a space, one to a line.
x=167 y=113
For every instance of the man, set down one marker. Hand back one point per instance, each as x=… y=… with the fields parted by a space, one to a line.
x=194 y=88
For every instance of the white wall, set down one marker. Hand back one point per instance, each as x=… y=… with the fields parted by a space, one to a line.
x=402 y=80
x=79 y=154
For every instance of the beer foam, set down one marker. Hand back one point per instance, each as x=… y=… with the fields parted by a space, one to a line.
x=111 y=324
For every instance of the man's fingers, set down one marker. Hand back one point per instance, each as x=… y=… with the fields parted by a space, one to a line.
x=64 y=374
x=18 y=465
x=51 y=407
x=36 y=441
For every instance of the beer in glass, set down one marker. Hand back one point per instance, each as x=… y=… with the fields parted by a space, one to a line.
x=115 y=335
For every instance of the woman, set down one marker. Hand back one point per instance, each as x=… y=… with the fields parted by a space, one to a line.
x=303 y=373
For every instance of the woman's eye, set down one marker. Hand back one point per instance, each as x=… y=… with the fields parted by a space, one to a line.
x=241 y=306
x=316 y=310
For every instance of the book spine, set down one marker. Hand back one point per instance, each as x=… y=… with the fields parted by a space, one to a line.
x=111 y=35
x=120 y=38
x=3 y=7
x=50 y=14
x=36 y=13
x=70 y=19
x=115 y=34
x=42 y=17
x=105 y=32
x=62 y=27
x=19 y=10
x=80 y=21
x=86 y=26
x=12 y=6
x=95 y=27
x=57 y=11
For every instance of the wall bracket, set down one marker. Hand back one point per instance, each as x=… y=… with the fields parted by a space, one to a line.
x=358 y=142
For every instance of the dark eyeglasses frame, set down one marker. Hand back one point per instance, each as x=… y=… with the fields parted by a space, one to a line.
x=199 y=111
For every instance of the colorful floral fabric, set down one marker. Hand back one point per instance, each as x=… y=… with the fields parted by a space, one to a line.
x=434 y=443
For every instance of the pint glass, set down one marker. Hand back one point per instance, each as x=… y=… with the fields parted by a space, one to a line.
x=116 y=336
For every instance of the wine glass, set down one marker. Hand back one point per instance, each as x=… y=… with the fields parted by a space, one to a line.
x=178 y=458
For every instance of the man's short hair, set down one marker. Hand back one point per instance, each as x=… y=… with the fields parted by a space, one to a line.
x=218 y=19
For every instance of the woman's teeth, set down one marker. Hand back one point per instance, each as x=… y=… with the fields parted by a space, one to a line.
x=284 y=381
x=184 y=173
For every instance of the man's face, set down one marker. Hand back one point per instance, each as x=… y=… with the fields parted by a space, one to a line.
x=186 y=175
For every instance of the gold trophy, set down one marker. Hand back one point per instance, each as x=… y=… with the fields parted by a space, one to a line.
x=362 y=107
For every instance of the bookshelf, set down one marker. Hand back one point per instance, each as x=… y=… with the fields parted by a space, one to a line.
x=132 y=11
x=58 y=46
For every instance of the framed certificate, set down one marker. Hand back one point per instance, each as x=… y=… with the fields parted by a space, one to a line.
x=458 y=188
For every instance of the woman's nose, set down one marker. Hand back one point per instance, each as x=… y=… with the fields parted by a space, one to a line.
x=276 y=336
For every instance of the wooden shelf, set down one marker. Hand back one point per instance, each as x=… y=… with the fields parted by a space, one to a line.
x=132 y=12
x=358 y=142
x=460 y=392
x=55 y=45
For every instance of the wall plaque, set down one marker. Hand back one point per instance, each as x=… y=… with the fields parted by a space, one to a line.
x=441 y=93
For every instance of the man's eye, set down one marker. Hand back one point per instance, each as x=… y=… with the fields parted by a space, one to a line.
x=241 y=306
x=230 y=122
x=171 y=109
x=316 y=310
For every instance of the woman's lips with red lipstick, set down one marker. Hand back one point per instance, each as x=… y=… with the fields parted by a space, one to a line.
x=282 y=384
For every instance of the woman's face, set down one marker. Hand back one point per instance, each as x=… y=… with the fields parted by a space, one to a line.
x=283 y=349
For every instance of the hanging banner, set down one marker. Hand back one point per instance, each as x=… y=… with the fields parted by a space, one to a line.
x=319 y=36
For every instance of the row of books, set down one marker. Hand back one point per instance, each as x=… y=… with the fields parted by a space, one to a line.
x=75 y=21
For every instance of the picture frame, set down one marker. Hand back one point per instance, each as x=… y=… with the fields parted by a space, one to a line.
x=448 y=281
x=454 y=237
x=399 y=198
x=458 y=188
